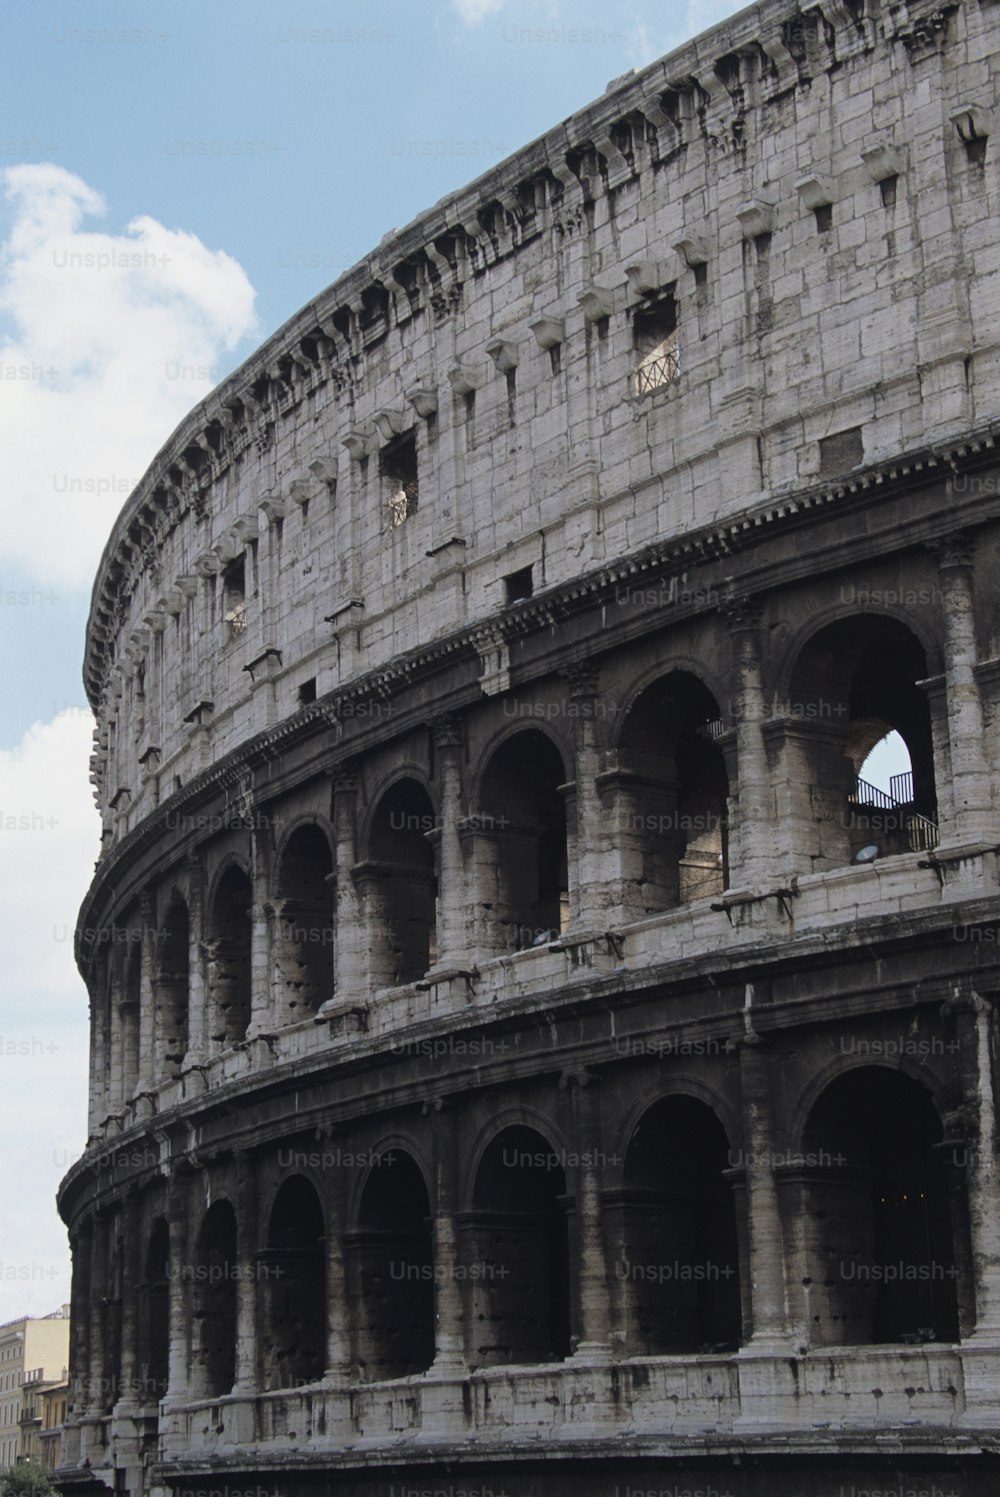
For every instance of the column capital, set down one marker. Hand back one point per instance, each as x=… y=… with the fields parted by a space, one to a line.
x=578 y=1080
x=741 y=612
x=446 y=731
x=956 y=550
x=581 y=676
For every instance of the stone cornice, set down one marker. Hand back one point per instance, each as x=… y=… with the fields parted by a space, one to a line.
x=643 y=118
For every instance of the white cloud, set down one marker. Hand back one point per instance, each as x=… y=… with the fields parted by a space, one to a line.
x=474 y=11
x=109 y=339
x=48 y=839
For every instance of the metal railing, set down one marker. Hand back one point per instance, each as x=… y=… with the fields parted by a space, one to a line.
x=921 y=833
x=658 y=369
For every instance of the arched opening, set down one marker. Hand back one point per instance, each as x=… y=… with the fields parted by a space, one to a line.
x=213 y=1306
x=879 y=1250
x=670 y=790
x=154 y=1311
x=172 y=987
x=517 y=1243
x=391 y=1266
x=855 y=684
x=129 y=1017
x=227 y=947
x=399 y=886
x=293 y=1281
x=305 y=930
x=521 y=849
x=679 y=1264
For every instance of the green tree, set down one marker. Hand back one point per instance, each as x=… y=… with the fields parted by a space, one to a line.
x=26 y=1479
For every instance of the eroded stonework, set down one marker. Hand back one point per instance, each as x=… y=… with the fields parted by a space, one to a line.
x=527 y=1052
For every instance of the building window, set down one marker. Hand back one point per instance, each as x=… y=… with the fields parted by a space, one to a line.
x=657 y=355
x=398 y=464
x=307 y=691
x=234 y=596
x=518 y=585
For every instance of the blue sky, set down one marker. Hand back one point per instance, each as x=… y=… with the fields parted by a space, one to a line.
x=239 y=156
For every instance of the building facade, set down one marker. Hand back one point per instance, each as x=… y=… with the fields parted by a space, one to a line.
x=34 y=1354
x=525 y=1049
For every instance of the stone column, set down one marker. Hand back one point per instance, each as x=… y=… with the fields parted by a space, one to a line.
x=589 y=908
x=178 y=1208
x=449 y=1327
x=974 y=819
x=349 y=983
x=198 y=1018
x=247 y=1243
x=975 y=1023
x=338 y=1310
x=263 y=1017
x=147 y=997
x=116 y=1057
x=593 y=1290
x=81 y=1299
x=750 y=858
x=96 y=1312
x=131 y=1278
x=453 y=901
x=766 y=1242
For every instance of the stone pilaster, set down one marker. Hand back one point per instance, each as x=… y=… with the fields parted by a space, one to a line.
x=452 y=904
x=147 y=998
x=178 y=1214
x=975 y=1024
x=749 y=852
x=100 y=1246
x=247 y=1244
x=591 y=1276
x=197 y=1010
x=770 y=1331
x=338 y=1314
x=129 y=1393
x=350 y=984
x=263 y=1018
x=973 y=815
x=588 y=871
x=449 y=1334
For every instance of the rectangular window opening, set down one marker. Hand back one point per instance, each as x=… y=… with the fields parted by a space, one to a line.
x=518 y=585
x=887 y=188
x=555 y=357
x=824 y=218
x=511 y=394
x=234 y=596
x=654 y=331
x=398 y=464
x=307 y=691
x=701 y=273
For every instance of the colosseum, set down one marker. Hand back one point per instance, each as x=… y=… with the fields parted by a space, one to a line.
x=528 y=1054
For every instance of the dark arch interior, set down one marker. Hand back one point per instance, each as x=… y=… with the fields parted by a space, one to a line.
x=524 y=824
x=517 y=1236
x=881 y=1246
x=214 y=1302
x=172 y=986
x=402 y=888
x=859 y=677
x=292 y=1274
x=154 y=1306
x=674 y=794
x=228 y=941
x=680 y=1268
x=391 y=1260
x=305 y=934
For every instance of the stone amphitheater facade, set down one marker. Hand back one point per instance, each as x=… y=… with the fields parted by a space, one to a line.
x=526 y=1053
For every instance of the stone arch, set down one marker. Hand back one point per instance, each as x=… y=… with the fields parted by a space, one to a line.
x=676 y=1235
x=516 y=1245
x=874 y=1205
x=668 y=793
x=172 y=987
x=154 y=1315
x=849 y=683
x=520 y=843
x=213 y=1303
x=398 y=883
x=292 y=1287
x=227 y=945
x=304 y=934
x=390 y=1267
